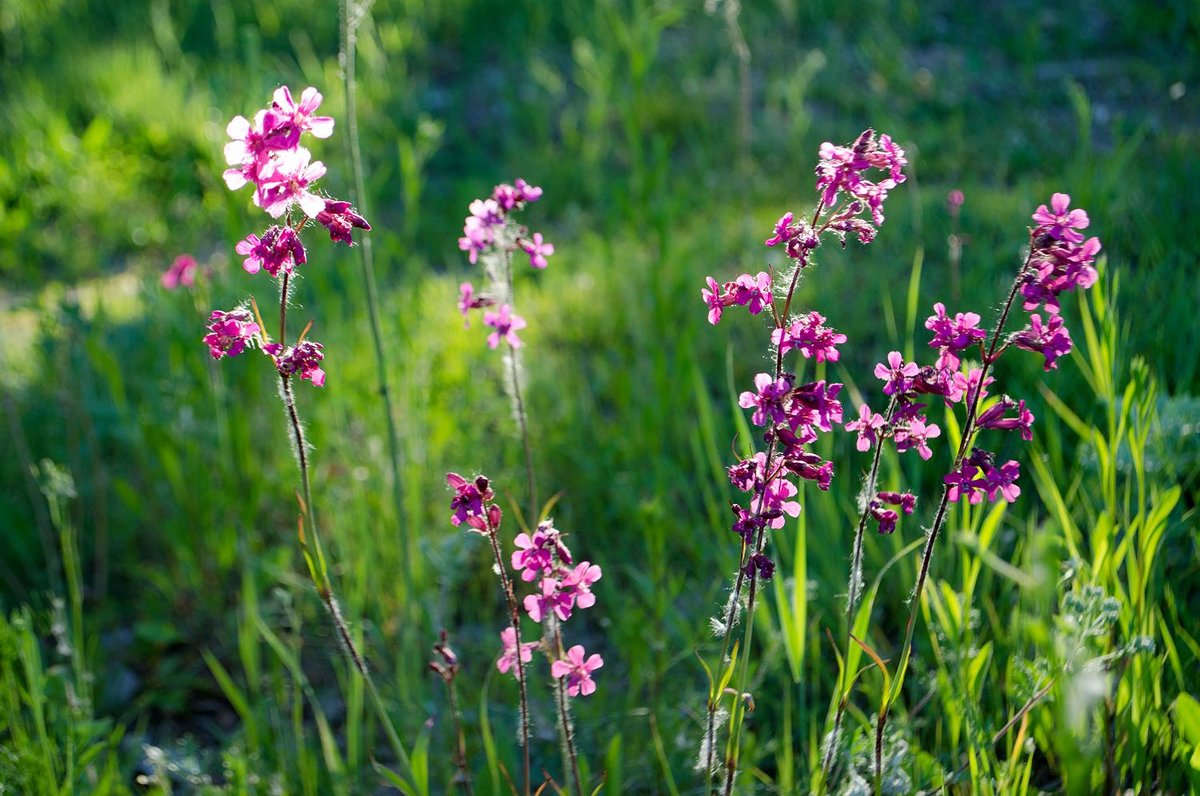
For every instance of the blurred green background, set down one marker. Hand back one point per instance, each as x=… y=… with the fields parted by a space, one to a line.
x=666 y=154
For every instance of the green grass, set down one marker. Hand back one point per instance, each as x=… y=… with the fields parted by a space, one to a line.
x=207 y=660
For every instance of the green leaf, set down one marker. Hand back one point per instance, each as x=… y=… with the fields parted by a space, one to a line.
x=1186 y=713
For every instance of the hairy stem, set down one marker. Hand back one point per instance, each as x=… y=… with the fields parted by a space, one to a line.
x=320 y=574
x=940 y=517
x=781 y=320
x=563 y=708
x=514 y=616
x=351 y=15
x=523 y=423
x=854 y=591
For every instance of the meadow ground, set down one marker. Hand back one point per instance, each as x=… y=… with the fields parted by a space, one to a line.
x=158 y=631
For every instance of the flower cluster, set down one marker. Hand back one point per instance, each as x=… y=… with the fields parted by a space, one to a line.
x=302 y=359
x=877 y=507
x=265 y=152
x=492 y=235
x=1059 y=260
x=794 y=414
x=542 y=559
x=229 y=333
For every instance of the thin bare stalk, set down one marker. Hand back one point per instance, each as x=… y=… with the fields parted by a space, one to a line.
x=320 y=573
x=460 y=751
x=854 y=588
x=351 y=15
x=940 y=517
x=517 y=395
x=523 y=423
x=737 y=715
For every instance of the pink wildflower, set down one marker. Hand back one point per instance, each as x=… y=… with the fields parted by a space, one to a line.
x=304 y=359
x=230 y=332
x=508 y=658
x=506 y=325
x=181 y=273
x=286 y=182
x=538 y=250
x=577 y=671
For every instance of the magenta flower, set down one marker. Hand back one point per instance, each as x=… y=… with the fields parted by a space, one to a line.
x=747 y=525
x=552 y=599
x=717 y=298
x=285 y=182
x=816 y=404
x=468 y=503
x=905 y=500
x=538 y=250
x=1059 y=221
x=506 y=325
x=279 y=249
x=768 y=402
x=759 y=566
x=577 y=671
x=896 y=374
x=888 y=155
x=777 y=501
x=247 y=152
x=874 y=194
x=962 y=386
x=868 y=426
x=994 y=417
x=467 y=301
x=182 y=272
x=578 y=583
x=838 y=170
x=915 y=435
x=783 y=231
x=477 y=237
x=339 y=218
x=1003 y=480
x=1051 y=340
x=809 y=334
x=748 y=474
x=230 y=332
x=537 y=555
x=753 y=291
x=300 y=116
x=304 y=359
x=488 y=211
x=527 y=192
x=953 y=335
x=965 y=482
x=508 y=658
x=886 y=517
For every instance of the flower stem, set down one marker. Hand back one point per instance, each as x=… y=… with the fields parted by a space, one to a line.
x=563 y=706
x=320 y=573
x=854 y=591
x=460 y=749
x=350 y=18
x=523 y=423
x=940 y=517
x=759 y=544
x=514 y=617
